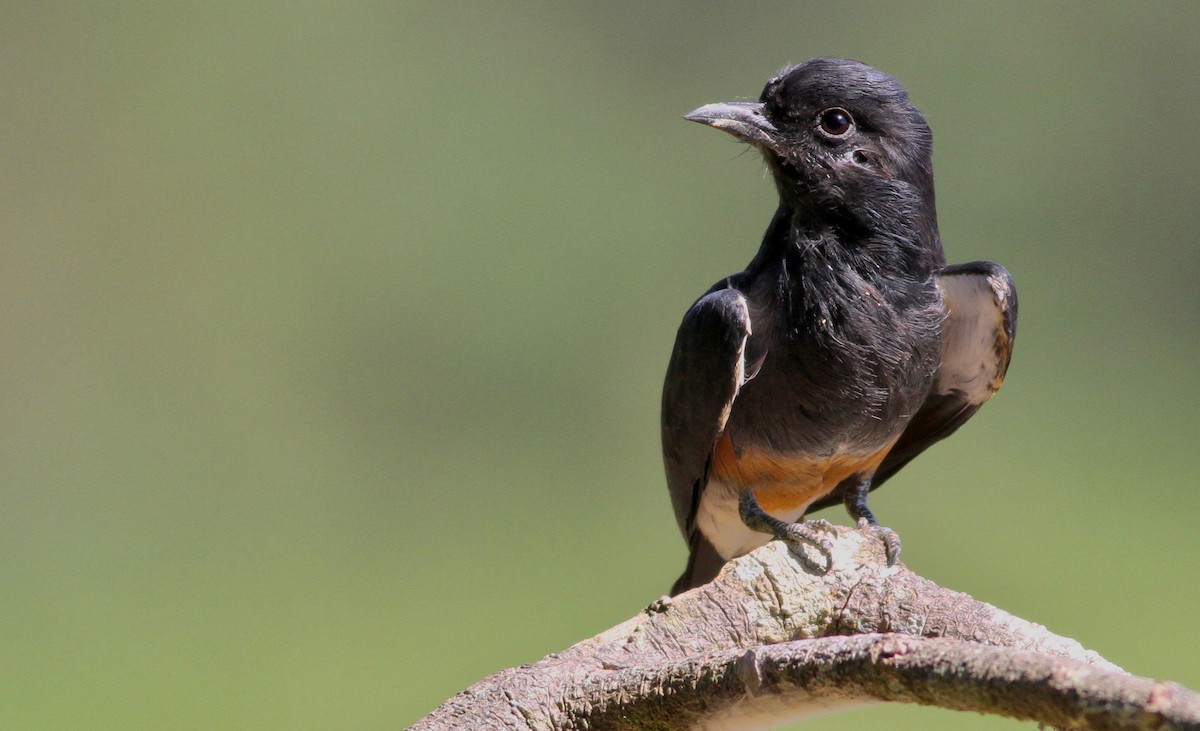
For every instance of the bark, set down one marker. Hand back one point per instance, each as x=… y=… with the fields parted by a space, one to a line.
x=769 y=641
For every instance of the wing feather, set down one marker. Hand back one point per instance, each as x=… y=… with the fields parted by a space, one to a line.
x=707 y=368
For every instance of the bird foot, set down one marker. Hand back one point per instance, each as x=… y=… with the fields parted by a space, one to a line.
x=800 y=536
x=889 y=537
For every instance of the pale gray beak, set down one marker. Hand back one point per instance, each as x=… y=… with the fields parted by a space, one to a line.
x=744 y=120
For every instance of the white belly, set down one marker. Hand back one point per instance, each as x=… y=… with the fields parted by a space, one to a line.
x=721 y=523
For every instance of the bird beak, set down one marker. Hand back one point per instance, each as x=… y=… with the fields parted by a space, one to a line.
x=743 y=120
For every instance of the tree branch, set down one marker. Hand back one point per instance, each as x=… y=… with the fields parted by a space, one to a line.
x=768 y=642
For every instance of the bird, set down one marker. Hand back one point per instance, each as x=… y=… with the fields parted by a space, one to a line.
x=846 y=347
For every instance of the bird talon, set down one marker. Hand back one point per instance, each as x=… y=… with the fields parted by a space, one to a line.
x=801 y=535
x=889 y=538
x=821 y=524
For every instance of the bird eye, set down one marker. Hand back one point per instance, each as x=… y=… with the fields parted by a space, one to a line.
x=836 y=122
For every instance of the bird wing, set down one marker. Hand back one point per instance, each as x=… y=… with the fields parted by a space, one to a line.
x=980 y=300
x=708 y=367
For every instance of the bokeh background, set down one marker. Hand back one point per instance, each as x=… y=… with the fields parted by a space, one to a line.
x=331 y=335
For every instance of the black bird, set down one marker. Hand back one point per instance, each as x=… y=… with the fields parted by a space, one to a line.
x=847 y=346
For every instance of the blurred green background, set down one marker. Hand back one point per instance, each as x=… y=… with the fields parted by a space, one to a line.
x=333 y=335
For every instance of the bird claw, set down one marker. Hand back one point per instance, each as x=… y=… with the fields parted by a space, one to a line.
x=889 y=537
x=800 y=535
x=821 y=524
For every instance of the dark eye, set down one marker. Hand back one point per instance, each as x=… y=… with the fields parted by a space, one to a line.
x=836 y=122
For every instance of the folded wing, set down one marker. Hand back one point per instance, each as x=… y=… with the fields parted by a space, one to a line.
x=708 y=367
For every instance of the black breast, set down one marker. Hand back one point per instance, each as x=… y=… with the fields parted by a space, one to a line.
x=847 y=358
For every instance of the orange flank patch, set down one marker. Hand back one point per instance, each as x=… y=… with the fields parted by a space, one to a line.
x=784 y=482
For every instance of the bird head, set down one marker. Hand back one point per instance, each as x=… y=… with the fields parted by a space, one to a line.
x=840 y=139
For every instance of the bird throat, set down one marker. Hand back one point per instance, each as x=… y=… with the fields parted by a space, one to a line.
x=821 y=252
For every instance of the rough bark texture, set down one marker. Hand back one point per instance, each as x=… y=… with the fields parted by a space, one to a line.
x=768 y=642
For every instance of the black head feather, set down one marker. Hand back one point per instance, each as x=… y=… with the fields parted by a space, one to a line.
x=846 y=147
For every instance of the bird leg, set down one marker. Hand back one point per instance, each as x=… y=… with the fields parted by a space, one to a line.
x=794 y=534
x=855 y=498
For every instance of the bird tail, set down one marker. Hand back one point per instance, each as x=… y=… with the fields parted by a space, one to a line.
x=704 y=563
